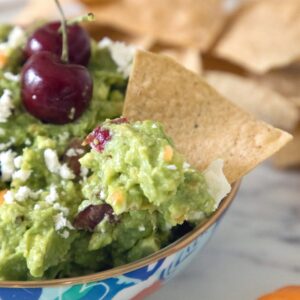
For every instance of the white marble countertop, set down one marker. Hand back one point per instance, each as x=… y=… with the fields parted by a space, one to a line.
x=255 y=249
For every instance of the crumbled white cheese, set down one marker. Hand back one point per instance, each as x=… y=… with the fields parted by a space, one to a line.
x=142 y=228
x=22 y=175
x=16 y=37
x=23 y=193
x=60 y=222
x=7 y=165
x=154 y=126
x=52 y=196
x=27 y=142
x=9 y=197
x=66 y=173
x=218 y=186
x=171 y=167
x=54 y=166
x=18 y=162
x=2 y=132
x=84 y=172
x=73 y=152
x=6 y=106
x=121 y=54
x=102 y=195
x=61 y=208
x=12 y=77
x=186 y=165
x=37 y=207
x=51 y=160
x=65 y=234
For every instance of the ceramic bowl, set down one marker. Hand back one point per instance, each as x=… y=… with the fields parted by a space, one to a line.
x=132 y=281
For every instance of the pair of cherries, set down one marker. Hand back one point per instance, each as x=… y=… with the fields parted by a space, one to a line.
x=52 y=90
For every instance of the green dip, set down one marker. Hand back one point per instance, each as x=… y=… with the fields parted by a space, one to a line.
x=143 y=191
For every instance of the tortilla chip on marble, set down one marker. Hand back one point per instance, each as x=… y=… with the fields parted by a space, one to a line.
x=188 y=23
x=265 y=35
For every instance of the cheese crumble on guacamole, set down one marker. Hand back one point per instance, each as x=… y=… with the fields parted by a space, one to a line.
x=96 y=192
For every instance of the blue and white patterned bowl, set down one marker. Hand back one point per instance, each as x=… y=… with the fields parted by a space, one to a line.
x=133 y=281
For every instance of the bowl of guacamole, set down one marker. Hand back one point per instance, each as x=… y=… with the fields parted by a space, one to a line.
x=98 y=206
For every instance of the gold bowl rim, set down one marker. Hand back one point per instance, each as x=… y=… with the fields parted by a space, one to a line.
x=167 y=251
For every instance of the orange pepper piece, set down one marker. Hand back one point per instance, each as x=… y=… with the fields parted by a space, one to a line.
x=2 y=193
x=3 y=59
x=286 y=293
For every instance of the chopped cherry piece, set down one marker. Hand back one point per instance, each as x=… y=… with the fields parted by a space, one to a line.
x=98 y=138
x=55 y=92
x=49 y=38
x=72 y=155
x=119 y=120
x=92 y=215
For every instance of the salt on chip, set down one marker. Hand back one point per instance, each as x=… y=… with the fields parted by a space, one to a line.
x=204 y=125
x=190 y=23
x=289 y=156
x=265 y=35
x=264 y=103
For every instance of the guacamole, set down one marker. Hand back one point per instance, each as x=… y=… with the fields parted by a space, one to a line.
x=70 y=208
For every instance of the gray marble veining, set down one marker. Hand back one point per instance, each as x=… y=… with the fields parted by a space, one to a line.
x=255 y=250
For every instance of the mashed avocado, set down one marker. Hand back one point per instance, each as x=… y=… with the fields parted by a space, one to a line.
x=71 y=210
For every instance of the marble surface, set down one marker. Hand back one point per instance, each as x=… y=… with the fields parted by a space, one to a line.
x=255 y=249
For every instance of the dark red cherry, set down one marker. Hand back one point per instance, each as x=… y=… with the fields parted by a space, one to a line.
x=49 y=38
x=98 y=138
x=92 y=215
x=55 y=92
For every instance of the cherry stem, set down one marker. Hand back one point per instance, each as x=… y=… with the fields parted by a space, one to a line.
x=65 y=50
x=86 y=18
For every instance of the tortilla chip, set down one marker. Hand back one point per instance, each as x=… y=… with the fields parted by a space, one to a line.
x=264 y=36
x=211 y=62
x=203 y=125
x=285 y=81
x=188 y=23
x=256 y=99
x=289 y=156
x=188 y=57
